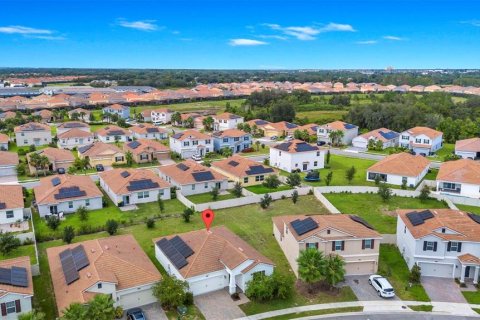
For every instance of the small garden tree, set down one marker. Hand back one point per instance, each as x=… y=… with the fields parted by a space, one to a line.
x=237 y=189
x=161 y=204
x=112 y=226
x=327 y=157
x=226 y=152
x=170 y=292
x=384 y=191
x=272 y=181
x=215 y=191
x=294 y=196
x=150 y=223
x=187 y=213
x=329 y=177
x=129 y=158
x=424 y=193
x=32 y=315
x=415 y=274
x=294 y=179
x=350 y=174
x=82 y=213
x=404 y=184
x=68 y=234
x=8 y=242
x=265 y=288
x=377 y=179
x=265 y=201
x=75 y=311
x=311 y=264
x=53 y=221
x=334 y=271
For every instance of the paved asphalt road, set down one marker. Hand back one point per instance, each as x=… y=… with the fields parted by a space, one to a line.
x=394 y=316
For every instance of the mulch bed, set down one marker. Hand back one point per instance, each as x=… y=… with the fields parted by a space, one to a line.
x=312 y=291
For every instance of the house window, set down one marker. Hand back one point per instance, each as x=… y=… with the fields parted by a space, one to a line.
x=328 y=231
x=87 y=202
x=195 y=142
x=318 y=153
x=259 y=178
x=70 y=204
x=186 y=143
x=312 y=245
x=25 y=141
x=443 y=230
x=279 y=153
x=10 y=306
x=405 y=229
x=9 y=214
x=236 y=139
x=429 y=246
x=404 y=179
x=321 y=130
x=225 y=139
x=338 y=245
x=161 y=192
x=368 y=244
x=108 y=138
x=206 y=185
x=245 y=180
x=315 y=163
x=144 y=157
x=405 y=137
x=193 y=187
x=426 y=141
x=246 y=138
x=143 y=194
x=454 y=246
x=99 y=286
x=207 y=141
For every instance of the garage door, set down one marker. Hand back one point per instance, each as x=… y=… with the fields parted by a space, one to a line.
x=359 y=268
x=208 y=285
x=436 y=269
x=136 y=299
x=360 y=144
x=8 y=171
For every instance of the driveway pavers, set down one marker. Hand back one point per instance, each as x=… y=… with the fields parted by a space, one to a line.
x=362 y=289
x=152 y=311
x=442 y=289
x=218 y=306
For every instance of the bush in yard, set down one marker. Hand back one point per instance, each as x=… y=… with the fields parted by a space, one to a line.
x=21 y=169
x=415 y=274
x=32 y=315
x=265 y=288
x=118 y=312
x=311 y=264
x=161 y=204
x=350 y=174
x=294 y=196
x=82 y=213
x=173 y=192
x=424 y=193
x=188 y=299
x=171 y=292
x=68 y=234
x=75 y=311
x=377 y=178
x=327 y=157
x=112 y=226
x=384 y=192
x=101 y=308
x=272 y=182
x=53 y=221
x=187 y=213
x=293 y=180
x=150 y=222
x=266 y=161
x=265 y=201
x=334 y=270
x=404 y=184
x=214 y=193
x=329 y=177
x=237 y=189
x=8 y=242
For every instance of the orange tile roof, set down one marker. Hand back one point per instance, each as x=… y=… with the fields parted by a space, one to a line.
x=77 y=124
x=232 y=133
x=106 y=130
x=117 y=259
x=75 y=133
x=468 y=145
x=32 y=126
x=45 y=191
x=216 y=249
x=240 y=166
x=261 y=123
x=99 y=148
x=403 y=164
x=283 y=125
x=185 y=176
x=429 y=132
x=142 y=128
x=310 y=127
x=468 y=258
x=79 y=110
x=377 y=134
x=463 y=171
x=146 y=145
x=117 y=106
x=191 y=134
x=335 y=125
x=8 y=158
x=226 y=116
x=21 y=262
x=118 y=184
x=4 y=138
x=55 y=154
x=295 y=146
x=11 y=196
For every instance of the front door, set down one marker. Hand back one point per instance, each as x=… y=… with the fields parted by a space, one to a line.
x=238 y=149
x=218 y=185
x=305 y=166
x=126 y=200
x=467 y=272
x=53 y=210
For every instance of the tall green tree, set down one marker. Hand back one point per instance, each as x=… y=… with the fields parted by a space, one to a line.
x=334 y=270
x=170 y=292
x=101 y=308
x=311 y=263
x=75 y=311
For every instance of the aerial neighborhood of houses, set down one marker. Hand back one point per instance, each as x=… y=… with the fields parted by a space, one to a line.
x=76 y=165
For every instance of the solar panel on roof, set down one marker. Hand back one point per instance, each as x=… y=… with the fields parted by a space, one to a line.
x=5 y=276
x=258 y=170
x=349 y=126
x=80 y=257
x=134 y=144
x=283 y=146
x=177 y=259
x=68 y=266
x=125 y=174
x=290 y=125
x=142 y=185
x=85 y=148
x=388 y=135
x=233 y=163
x=152 y=130
x=361 y=221
x=418 y=218
x=73 y=125
x=426 y=214
x=301 y=147
x=19 y=277
x=304 y=226
x=177 y=135
x=474 y=217
x=55 y=181
x=2 y=205
x=70 y=192
x=203 y=176
x=261 y=122
x=115 y=133
x=182 y=166
x=181 y=246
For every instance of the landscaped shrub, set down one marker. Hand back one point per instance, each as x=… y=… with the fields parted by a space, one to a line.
x=424 y=193
x=265 y=288
x=265 y=201
x=215 y=191
x=112 y=226
x=293 y=179
x=8 y=242
x=415 y=274
x=52 y=222
x=171 y=292
x=68 y=234
x=187 y=213
x=237 y=189
x=150 y=222
x=385 y=192
x=272 y=182
x=82 y=213
x=188 y=299
x=295 y=196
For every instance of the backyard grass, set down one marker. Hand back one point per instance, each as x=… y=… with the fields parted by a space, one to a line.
x=447 y=149
x=472 y=297
x=207 y=197
x=26 y=250
x=422 y=308
x=471 y=209
x=316 y=313
x=322 y=116
x=261 y=151
x=213 y=105
x=392 y=266
x=431 y=175
x=261 y=189
x=376 y=212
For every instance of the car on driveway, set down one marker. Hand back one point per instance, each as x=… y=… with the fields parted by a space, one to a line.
x=197 y=157
x=273 y=138
x=99 y=167
x=382 y=286
x=136 y=314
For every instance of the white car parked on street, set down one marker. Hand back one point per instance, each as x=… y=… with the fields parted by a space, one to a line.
x=382 y=286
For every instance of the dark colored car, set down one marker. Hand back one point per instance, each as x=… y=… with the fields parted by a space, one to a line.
x=99 y=167
x=136 y=314
x=321 y=143
x=61 y=170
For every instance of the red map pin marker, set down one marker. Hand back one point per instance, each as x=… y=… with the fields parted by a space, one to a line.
x=207 y=217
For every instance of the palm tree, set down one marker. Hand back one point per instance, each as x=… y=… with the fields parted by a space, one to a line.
x=208 y=123
x=32 y=315
x=75 y=311
x=336 y=137
x=44 y=164
x=189 y=122
x=257 y=144
x=310 y=266
x=63 y=114
x=34 y=161
x=101 y=308
x=129 y=158
x=334 y=271
x=82 y=115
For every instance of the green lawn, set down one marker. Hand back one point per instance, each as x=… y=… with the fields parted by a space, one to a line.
x=207 y=197
x=261 y=151
x=422 y=308
x=261 y=189
x=392 y=266
x=27 y=250
x=447 y=149
x=379 y=214
x=322 y=116
x=214 y=105
x=472 y=297
x=431 y=175
x=316 y=313
x=471 y=209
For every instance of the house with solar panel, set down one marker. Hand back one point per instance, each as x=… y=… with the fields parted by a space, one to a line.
x=122 y=111
x=71 y=125
x=225 y=121
x=144 y=150
x=257 y=126
x=191 y=142
x=211 y=260
x=131 y=186
x=66 y=193
x=105 y=154
x=11 y=204
x=115 y=266
x=297 y=155
x=422 y=140
x=148 y=131
x=350 y=131
x=348 y=236
x=233 y=139
x=190 y=177
x=112 y=133
x=445 y=243
x=16 y=287
x=243 y=170
x=279 y=129
x=388 y=138
x=33 y=133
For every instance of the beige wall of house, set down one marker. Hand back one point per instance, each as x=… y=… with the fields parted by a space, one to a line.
x=106 y=161
x=252 y=181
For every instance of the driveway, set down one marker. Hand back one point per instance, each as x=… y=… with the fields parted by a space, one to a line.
x=362 y=289
x=218 y=306
x=152 y=311
x=442 y=290
x=8 y=179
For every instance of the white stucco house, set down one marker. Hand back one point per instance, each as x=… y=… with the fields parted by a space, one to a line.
x=468 y=148
x=158 y=116
x=190 y=177
x=112 y=133
x=17 y=291
x=399 y=168
x=33 y=133
x=70 y=125
x=226 y=121
x=350 y=131
x=421 y=140
x=297 y=155
x=11 y=204
x=118 y=109
x=191 y=142
x=211 y=260
x=388 y=138
x=445 y=243
x=115 y=266
x=131 y=186
x=148 y=131
x=8 y=163
x=459 y=178
x=4 y=140
x=66 y=193
x=74 y=138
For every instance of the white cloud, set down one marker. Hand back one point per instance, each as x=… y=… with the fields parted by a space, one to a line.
x=272 y=36
x=246 y=42
x=23 y=30
x=367 y=42
x=475 y=23
x=393 y=38
x=337 y=27
x=306 y=33
x=46 y=37
x=146 y=25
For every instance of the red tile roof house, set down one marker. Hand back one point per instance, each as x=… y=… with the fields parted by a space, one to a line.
x=112 y=133
x=70 y=125
x=459 y=178
x=66 y=193
x=145 y=150
x=388 y=138
x=158 y=116
x=211 y=260
x=226 y=121
x=148 y=131
x=132 y=186
x=11 y=204
x=33 y=133
x=115 y=266
x=191 y=142
x=350 y=131
x=4 y=139
x=468 y=148
x=297 y=155
x=59 y=158
x=45 y=115
x=191 y=177
x=8 y=163
x=74 y=134
x=422 y=140
x=121 y=110
x=80 y=111
x=16 y=292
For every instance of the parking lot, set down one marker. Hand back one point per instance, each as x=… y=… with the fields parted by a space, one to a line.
x=362 y=289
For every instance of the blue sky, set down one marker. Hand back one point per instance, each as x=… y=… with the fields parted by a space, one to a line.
x=236 y=34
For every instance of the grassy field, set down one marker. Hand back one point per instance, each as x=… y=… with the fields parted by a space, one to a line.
x=447 y=149
x=261 y=189
x=379 y=214
x=26 y=250
x=322 y=116
x=432 y=175
x=392 y=266
x=214 y=105
x=207 y=197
